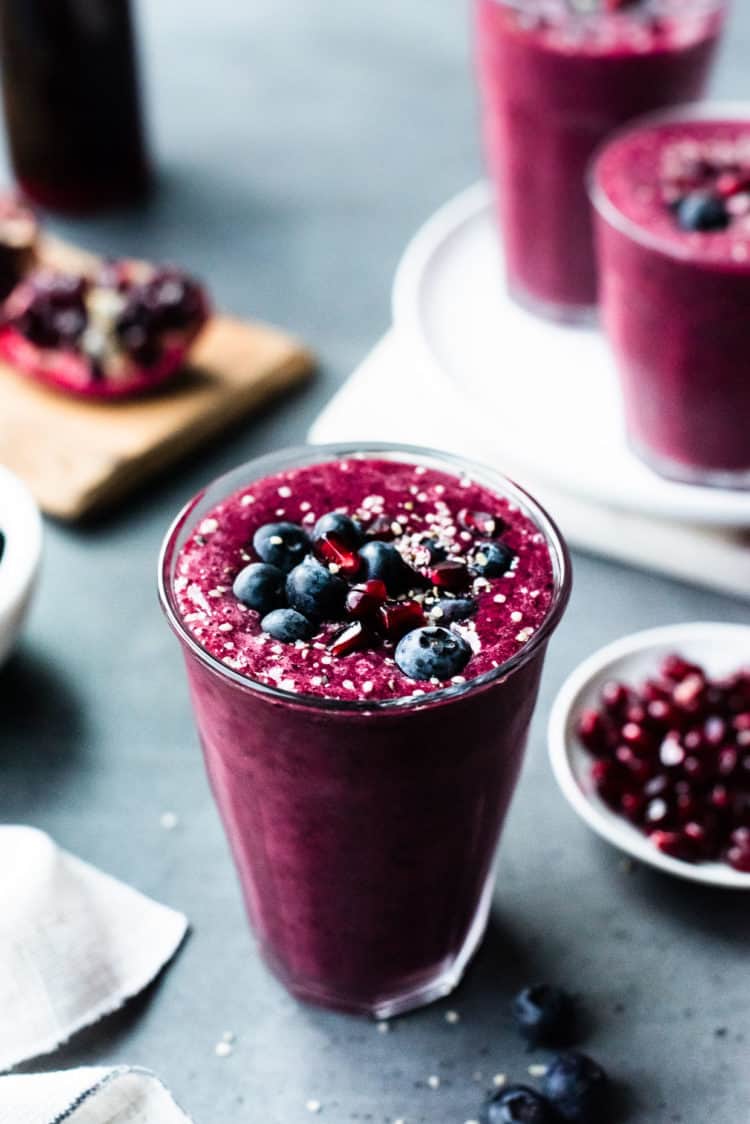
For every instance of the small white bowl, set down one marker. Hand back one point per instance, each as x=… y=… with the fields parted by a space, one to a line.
x=719 y=648
x=21 y=526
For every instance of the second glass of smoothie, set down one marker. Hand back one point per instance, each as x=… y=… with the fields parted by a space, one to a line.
x=363 y=762
x=556 y=77
x=672 y=199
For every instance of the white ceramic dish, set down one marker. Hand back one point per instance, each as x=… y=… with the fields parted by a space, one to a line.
x=21 y=525
x=720 y=648
x=547 y=395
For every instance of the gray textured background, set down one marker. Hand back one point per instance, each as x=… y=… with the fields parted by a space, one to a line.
x=301 y=142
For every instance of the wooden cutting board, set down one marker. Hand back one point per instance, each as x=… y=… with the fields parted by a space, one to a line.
x=81 y=457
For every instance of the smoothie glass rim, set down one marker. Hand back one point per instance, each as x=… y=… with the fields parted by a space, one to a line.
x=715 y=111
x=300 y=456
x=691 y=9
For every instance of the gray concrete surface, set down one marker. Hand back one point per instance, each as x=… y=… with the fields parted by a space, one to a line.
x=301 y=142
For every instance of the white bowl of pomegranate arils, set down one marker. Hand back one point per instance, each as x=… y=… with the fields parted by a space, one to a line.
x=649 y=740
x=20 y=555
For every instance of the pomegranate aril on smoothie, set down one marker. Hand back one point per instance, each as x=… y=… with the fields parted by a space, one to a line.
x=112 y=335
x=677 y=776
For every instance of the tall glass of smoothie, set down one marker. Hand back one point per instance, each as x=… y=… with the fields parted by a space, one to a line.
x=364 y=632
x=556 y=77
x=672 y=199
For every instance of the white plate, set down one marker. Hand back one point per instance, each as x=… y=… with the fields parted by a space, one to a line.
x=719 y=648
x=546 y=394
x=21 y=525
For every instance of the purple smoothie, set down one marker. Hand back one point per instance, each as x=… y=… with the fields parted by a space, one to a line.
x=556 y=78
x=363 y=805
x=673 y=226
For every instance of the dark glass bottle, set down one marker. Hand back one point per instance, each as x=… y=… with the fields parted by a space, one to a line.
x=72 y=106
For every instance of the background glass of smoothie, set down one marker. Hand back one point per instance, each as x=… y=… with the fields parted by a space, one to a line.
x=556 y=77
x=672 y=199
x=364 y=815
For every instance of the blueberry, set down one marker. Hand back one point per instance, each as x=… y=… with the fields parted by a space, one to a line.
x=282 y=544
x=342 y=526
x=315 y=592
x=287 y=625
x=260 y=586
x=517 y=1104
x=543 y=1013
x=491 y=559
x=456 y=609
x=700 y=211
x=383 y=563
x=432 y=652
x=578 y=1088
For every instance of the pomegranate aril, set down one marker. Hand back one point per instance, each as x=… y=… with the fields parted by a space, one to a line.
x=363 y=601
x=714 y=730
x=632 y=805
x=331 y=549
x=593 y=732
x=637 y=738
x=732 y=183
x=657 y=811
x=615 y=698
x=719 y=798
x=739 y=859
x=608 y=781
x=727 y=761
x=654 y=690
x=689 y=693
x=640 y=769
x=481 y=522
x=660 y=713
x=453 y=576
x=396 y=618
x=740 y=837
x=350 y=639
x=671 y=753
x=676 y=668
x=675 y=844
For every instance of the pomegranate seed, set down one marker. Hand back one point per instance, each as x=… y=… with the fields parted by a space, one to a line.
x=449 y=575
x=593 y=732
x=657 y=810
x=693 y=740
x=714 y=730
x=608 y=782
x=657 y=786
x=481 y=522
x=674 y=667
x=639 y=768
x=727 y=761
x=363 y=601
x=632 y=805
x=671 y=752
x=655 y=690
x=350 y=639
x=732 y=183
x=740 y=837
x=689 y=692
x=699 y=837
x=675 y=844
x=330 y=548
x=719 y=798
x=636 y=714
x=615 y=697
x=637 y=738
x=739 y=859
x=396 y=618
x=660 y=712
x=688 y=808
x=695 y=768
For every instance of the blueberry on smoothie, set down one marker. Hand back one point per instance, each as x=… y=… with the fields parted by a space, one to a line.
x=518 y=1104
x=287 y=625
x=432 y=653
x=315 y=592
x=578 y=1088
x=543 y=1013
x=341 y=526
x=260 y=586
x=450 y=609
x=702 y=212
x=491 y=559
x=281 y=544
x=383 y=562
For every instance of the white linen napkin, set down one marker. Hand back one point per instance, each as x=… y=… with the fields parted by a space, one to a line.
x=75 y=944
x=88 y=1096
x=388 y=398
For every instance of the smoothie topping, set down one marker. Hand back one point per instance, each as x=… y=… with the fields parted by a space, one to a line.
x=603 y=25
x=706 y=184
x=397 y=586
